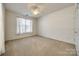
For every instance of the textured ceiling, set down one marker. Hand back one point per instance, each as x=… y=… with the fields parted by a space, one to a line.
x=45 y=8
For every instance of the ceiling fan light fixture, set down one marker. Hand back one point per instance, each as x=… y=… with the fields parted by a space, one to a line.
x=35 y=10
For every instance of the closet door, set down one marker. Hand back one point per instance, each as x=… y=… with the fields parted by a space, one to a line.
x=77 y=29
x=2 y=45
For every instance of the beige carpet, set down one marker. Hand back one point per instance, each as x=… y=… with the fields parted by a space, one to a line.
x=39 y=46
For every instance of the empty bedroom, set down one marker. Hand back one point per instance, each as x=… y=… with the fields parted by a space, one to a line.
x=38 y=29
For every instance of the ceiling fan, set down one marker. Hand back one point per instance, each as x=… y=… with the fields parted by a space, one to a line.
x=35 y=10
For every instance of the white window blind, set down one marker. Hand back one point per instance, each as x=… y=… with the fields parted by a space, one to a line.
x=24 y=25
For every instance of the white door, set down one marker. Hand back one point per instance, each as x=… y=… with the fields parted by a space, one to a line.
x=77 y=29
x=2 y=45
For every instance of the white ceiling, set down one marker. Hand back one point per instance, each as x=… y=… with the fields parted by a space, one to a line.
x=45 y=8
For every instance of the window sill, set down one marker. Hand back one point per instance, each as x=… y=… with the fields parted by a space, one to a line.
x=24 y=33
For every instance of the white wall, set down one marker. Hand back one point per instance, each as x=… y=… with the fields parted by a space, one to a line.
x=11 y=26
x=58 y=25
x=2 y=46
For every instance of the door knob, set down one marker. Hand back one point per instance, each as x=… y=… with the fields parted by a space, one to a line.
x=75 y=31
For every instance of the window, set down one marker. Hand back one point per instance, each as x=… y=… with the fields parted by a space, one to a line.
x=24 y=25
